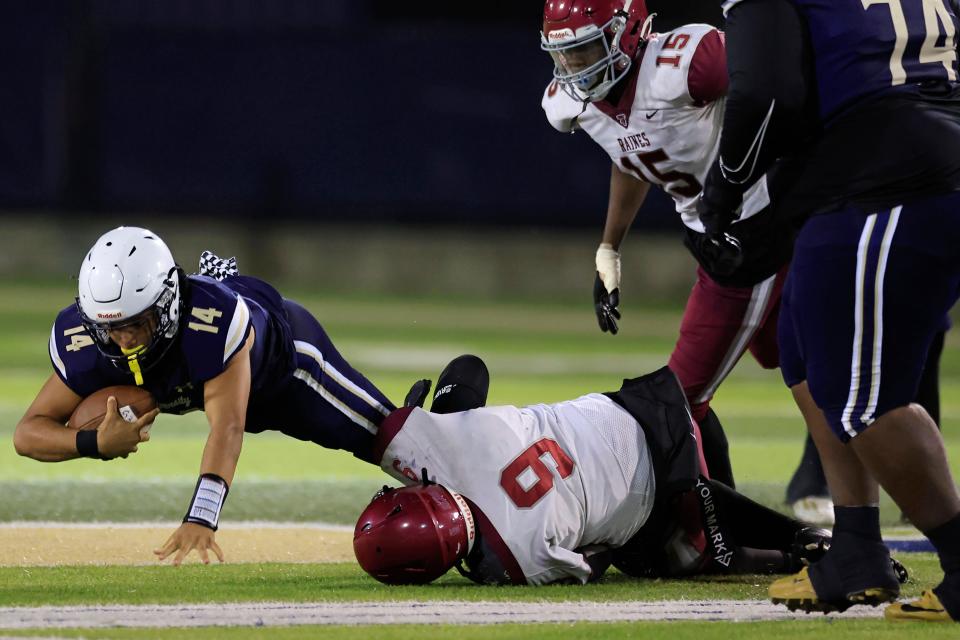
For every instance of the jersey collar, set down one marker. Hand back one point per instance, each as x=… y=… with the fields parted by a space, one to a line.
x=620 y=110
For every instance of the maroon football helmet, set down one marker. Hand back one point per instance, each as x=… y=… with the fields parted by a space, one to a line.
x=592 y=42
x=413 y=535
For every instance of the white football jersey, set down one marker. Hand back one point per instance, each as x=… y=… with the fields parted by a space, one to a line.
x=550 y=479
x=665 y=128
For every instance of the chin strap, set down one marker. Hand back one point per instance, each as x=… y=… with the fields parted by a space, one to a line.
x=647 y=28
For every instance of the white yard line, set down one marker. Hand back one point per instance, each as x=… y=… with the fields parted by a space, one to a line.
x=362 y=613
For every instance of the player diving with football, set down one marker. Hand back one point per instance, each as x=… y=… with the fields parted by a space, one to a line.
x=216 y=341
x=655 y=103
x=557 y=492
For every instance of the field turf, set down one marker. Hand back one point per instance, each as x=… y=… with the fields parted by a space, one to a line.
x=536 y=353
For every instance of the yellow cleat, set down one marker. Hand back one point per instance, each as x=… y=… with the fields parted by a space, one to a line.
x=796 y=592
x=928 y=608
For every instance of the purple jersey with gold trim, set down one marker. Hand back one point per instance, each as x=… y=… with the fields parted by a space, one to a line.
x=867 y=47
x=300 y=384
x=216 y=322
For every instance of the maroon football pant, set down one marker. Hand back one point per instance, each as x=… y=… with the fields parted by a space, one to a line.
x=719 y=324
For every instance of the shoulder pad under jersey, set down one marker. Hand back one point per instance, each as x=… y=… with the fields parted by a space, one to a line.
x=668 y=68
x=75 y=356
x=561 y=110
x=215 y=325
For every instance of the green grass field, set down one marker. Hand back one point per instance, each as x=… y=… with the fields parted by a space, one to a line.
x=536 y=353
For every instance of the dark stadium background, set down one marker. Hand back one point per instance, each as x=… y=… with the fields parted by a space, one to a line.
x=254 y=111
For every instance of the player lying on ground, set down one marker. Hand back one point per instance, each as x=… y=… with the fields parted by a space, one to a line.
x=557 y=492
x=655 y=103
x=227 y=344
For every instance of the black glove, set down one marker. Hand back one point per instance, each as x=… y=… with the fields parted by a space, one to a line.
x=719 y=202
x=721 y=254
x=716 y=218
x=605 y=304
x=418 y=393
x=717 y=207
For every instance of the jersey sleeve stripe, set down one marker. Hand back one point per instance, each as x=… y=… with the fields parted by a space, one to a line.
x=308 y=349
x=55 y=354
x=239 y=328
x=335 y=402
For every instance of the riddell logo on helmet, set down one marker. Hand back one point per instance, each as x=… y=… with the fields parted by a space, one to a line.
x=560 y=35
x=113 y=315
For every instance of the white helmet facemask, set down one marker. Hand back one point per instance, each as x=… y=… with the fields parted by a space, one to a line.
x=128 y=276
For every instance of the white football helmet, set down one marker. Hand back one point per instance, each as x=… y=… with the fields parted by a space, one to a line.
x=127 y=273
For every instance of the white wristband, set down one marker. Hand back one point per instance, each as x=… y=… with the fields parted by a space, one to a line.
x=608 y=266
x=208 y=499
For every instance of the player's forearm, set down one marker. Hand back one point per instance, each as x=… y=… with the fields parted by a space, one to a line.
x=45 y=439
x=626 y=196
x=222 y=451
x=768 y=95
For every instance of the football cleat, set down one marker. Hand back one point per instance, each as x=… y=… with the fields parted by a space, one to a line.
x=901 y=571
x=810 y=544
x=796 y=592
x=927 y=608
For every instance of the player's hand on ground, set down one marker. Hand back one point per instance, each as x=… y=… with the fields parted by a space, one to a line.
x=606 y=288
x=190 y=537
x=118 y=438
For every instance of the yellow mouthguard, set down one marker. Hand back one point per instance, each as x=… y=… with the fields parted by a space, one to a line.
x=133 y=363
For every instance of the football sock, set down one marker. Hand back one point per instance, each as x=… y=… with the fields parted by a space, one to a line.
x=946 y=539
x=862 y=522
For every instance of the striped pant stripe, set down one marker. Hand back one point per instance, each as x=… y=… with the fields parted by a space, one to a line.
x=759 y=300
x=866 y=359
x=337 y=389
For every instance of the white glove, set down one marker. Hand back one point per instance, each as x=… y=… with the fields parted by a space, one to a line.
x=608 y=266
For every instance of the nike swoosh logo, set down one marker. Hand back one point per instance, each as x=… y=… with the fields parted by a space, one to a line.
x=652 y=113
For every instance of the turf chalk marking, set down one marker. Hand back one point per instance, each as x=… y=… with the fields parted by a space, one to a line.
x=364 y=613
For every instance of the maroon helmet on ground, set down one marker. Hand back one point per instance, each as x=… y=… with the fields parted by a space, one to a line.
x=413 y=535
x=592 y=42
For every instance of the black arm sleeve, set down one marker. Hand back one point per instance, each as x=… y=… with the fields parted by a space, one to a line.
x=772 y=95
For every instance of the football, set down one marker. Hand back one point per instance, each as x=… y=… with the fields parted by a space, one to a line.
x=132 y=402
